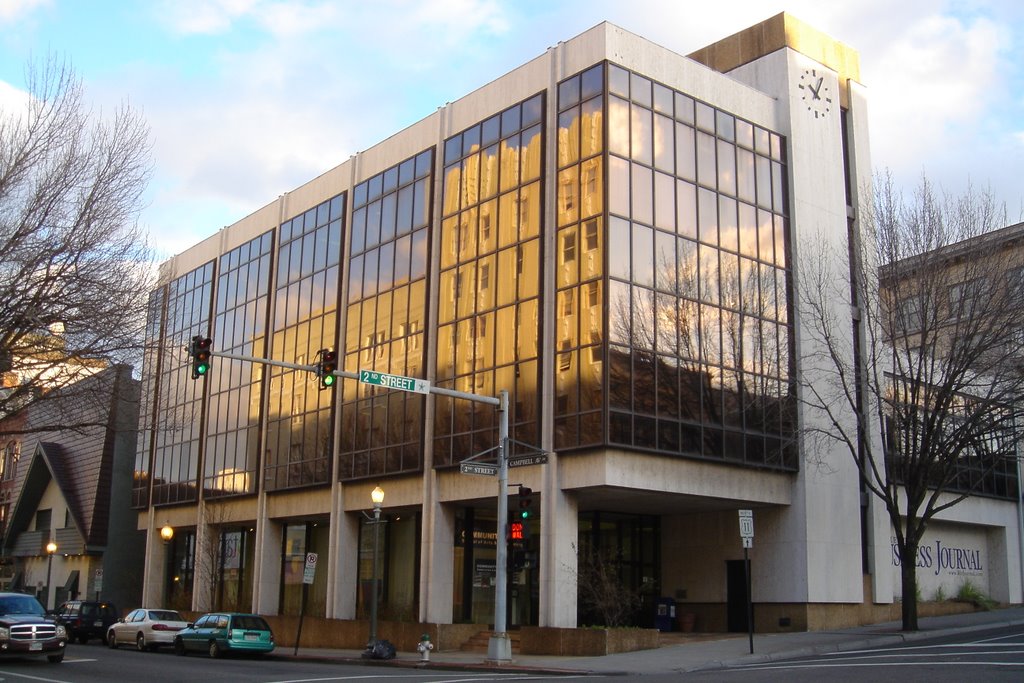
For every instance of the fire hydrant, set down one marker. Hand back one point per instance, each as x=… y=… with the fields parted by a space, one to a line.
x=425 y=647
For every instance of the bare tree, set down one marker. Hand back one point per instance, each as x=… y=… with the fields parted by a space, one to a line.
x=603 y=592
x=926 y=408
x=75 y=270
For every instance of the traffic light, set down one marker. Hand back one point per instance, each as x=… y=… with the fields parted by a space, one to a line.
x=517 y=560
x=325 y=368
x=525 y=503
x=200 y=352
x=517 y=531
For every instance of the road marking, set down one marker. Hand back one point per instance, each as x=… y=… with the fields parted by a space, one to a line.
x=34 y=678
x=838 y=665
x=420 y=676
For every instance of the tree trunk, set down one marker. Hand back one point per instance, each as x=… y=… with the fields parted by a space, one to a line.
x=908 y=579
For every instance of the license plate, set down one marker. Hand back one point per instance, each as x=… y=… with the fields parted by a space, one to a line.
x=35 y=647
x=251 y=636
x=97 y=623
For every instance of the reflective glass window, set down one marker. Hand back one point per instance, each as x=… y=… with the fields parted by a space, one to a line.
x=382 y=432
x=231 y=461
x=490 y=274
x=186 y=312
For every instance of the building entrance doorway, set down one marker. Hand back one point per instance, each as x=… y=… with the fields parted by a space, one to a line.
x=475 y=571
x=736 y=596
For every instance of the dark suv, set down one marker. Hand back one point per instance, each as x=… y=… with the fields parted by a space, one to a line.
x=85 y=620
x=25 y=630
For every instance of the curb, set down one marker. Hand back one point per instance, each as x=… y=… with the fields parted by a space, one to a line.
x=439 y=665
x=856 y=641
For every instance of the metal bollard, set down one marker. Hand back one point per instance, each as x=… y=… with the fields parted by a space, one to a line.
x=424 y=647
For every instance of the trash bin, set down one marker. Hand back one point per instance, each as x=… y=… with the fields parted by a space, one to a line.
x=664 y=614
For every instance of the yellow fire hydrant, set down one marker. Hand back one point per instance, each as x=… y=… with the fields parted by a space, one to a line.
x=425 y=647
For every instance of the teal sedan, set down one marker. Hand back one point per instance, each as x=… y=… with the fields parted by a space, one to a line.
x=219 y=633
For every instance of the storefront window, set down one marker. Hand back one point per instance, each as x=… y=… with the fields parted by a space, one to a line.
x=299 y=540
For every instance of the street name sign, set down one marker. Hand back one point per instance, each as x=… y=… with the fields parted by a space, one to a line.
x=380 y=379
x=483 y=468
x=523 y=460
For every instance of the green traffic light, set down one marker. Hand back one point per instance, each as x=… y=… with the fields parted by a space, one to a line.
x=328 y=380
x=202 y=368
x=525 y=514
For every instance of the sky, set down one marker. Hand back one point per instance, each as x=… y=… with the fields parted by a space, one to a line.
x=248 y=99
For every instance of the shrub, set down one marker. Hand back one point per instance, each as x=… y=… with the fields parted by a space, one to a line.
x=968 y=592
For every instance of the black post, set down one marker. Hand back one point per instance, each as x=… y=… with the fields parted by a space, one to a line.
x=750 y=600
x=302 y=613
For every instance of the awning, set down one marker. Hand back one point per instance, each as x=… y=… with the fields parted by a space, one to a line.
x=71 y=586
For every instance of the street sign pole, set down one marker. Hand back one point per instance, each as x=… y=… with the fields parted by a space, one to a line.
x=750 y=600
x=747 y=537
x=499 y=647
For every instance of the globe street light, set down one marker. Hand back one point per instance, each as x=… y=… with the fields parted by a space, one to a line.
x=166 y=533
x=51 y=548
x=377 y=496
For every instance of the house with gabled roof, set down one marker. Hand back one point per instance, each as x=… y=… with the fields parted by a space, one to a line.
x=72 y=488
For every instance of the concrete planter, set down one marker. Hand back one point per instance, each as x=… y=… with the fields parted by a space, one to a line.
x=585 y=642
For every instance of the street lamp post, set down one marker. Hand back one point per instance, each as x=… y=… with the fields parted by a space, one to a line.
x=166 y=534
x=377 y=496
x=51 y=548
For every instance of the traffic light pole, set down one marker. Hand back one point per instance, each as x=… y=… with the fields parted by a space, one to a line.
x=499 y=647
x=279 y=363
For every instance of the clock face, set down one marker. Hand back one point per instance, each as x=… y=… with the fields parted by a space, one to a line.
x=815 y=93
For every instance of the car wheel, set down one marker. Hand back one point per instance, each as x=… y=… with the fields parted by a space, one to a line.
x=215 y=650
x=111 y=641
x=140 y=643
x=179 y=647
x=56 y=659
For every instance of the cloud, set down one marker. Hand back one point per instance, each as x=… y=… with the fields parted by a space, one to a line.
x=209 y=17
x=13 y=100
x=279 y=92
x=12 y=11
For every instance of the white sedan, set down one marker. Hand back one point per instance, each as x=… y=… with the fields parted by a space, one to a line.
x=147 y=628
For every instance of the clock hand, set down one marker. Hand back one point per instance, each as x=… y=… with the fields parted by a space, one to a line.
x=817 y=89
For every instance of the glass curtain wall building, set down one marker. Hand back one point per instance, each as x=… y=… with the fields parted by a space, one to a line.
x=610 y=234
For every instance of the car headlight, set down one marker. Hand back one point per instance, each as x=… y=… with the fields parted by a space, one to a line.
x=61 y=631
x=5 y=633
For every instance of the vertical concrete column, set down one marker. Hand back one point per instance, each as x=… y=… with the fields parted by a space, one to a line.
x=330 y=563
x=437 y=560
x=345 y=534
x=203 y=564
x=558 y=518
x=154 y=569
x=1000 y=561
x=267 y=579
x=559 y=532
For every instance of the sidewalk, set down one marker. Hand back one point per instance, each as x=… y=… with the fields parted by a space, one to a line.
x=699 y=652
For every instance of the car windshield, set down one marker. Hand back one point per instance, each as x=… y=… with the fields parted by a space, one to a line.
x=164 y=615
x=250 y=623
x=21 y=604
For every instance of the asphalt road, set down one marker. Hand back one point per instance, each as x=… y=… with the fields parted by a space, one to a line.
x=995 y=655
x=990 y=656
x=95 y=663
